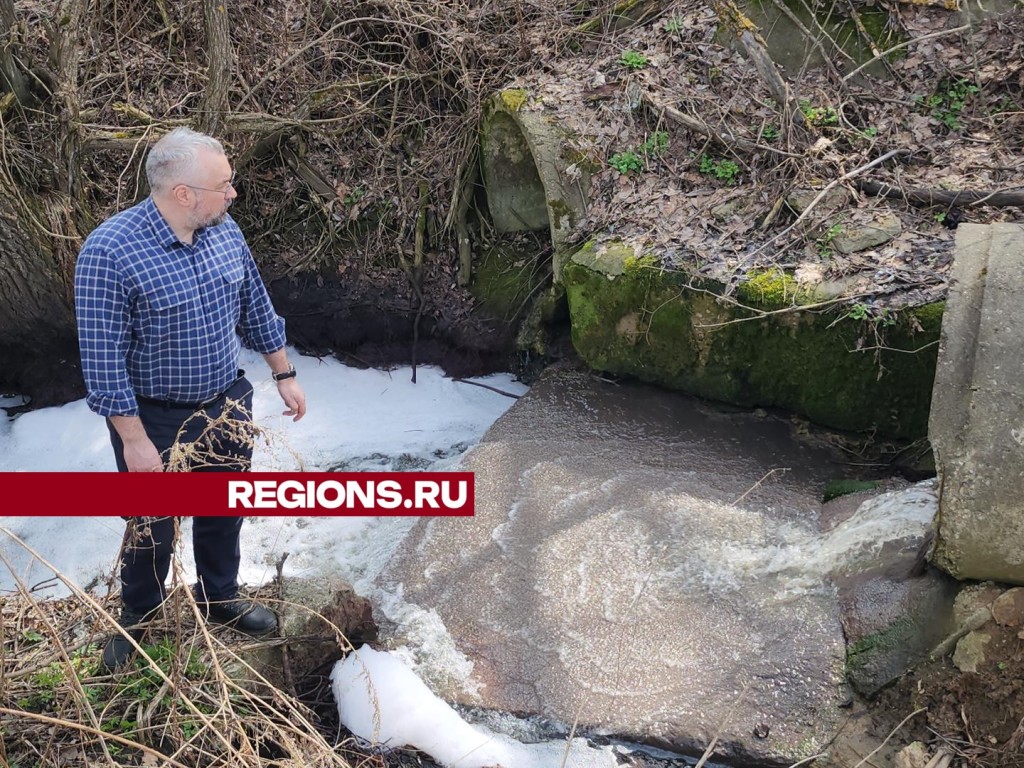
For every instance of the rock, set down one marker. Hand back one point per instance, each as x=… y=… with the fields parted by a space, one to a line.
x=323 y=616
x=860 y=237
x=970 y=651
x=974 y=600
x=609 y=577
x=892 y=618
x=1008 y=608
x=837 y=197
x=914 y=755
x=734 y=206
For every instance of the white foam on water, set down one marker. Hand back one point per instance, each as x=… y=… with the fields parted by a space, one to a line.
x=383 y=702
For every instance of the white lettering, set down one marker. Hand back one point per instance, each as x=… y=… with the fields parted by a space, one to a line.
x=239 y=494
x=289 y=500
x=361 y=493
x=426 y=494
x=446 y=496
x=266 y=493
x=389 y=494
x=322 y=490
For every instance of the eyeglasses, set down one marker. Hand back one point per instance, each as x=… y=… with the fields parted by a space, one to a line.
x=224 y=191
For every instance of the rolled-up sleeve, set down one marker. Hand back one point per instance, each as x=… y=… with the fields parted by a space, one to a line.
x=260 y=327
x=102 y=310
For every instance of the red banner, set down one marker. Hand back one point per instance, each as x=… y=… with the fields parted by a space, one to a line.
x=238 y=493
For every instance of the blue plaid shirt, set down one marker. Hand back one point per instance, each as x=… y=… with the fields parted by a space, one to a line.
x=161 y=318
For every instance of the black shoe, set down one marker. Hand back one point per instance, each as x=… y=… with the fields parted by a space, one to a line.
x=118 y=651
x=243 y=615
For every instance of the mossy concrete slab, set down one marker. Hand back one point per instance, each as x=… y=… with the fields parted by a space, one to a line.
x=667 y=328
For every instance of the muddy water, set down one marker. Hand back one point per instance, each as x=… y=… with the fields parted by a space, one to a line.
x=769 y=470
x=756 y=460
x=616 y=517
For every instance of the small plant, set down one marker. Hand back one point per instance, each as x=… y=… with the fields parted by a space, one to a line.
x=940 y=217
x=633 y=60
x=859 y=311
x=870 y=132
x=948 y=102
x=673 y=26
x=723 y=170
x=32 y=636
x=1006 y=104
x=354 y=196
x=878 y=317
x=656 y=144
x=627 y=161
x=820 y=116
x=769 y=133
x=825 y=241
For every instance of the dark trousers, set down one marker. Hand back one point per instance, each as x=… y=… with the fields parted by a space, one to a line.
x=149 y=541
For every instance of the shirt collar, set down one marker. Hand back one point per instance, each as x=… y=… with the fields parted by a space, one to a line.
x=161 y=229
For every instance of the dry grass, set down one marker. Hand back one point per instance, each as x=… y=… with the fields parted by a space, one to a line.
x=193 y=696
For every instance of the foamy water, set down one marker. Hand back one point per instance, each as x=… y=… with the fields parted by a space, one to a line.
x=796 y=555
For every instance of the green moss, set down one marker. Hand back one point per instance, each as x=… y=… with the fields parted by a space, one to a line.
x=773 y=289
x=929 y=316
x=560 y=210
x=514 y=98
x=837 y=488
x=533 y=335
x=503 y=281
x=583 y=160
x=858 y=654
x=653 y=325
x=634 y=264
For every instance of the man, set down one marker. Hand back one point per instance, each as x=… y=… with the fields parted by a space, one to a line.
x=162 y=292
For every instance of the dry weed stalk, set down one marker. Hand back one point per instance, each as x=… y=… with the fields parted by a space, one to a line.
x=234 y=425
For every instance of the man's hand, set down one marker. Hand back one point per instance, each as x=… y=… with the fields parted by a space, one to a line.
x=142 y=456
x=293 y=396
x=139 y=452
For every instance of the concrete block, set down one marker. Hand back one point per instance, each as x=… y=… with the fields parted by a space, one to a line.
x=976 y=424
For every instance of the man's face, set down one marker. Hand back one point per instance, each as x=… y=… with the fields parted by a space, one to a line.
x=212 y=192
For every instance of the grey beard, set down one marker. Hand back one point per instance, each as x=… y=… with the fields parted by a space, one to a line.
x=211 y=222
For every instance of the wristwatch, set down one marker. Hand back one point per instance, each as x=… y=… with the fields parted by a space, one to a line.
x=289 y=374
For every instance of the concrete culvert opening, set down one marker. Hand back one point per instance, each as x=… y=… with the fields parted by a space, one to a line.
x=529 y=182
x=515 y=193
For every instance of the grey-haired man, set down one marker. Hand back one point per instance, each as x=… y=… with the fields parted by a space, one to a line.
x=165 y=291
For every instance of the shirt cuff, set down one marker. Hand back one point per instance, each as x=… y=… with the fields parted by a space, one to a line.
x=113 y=403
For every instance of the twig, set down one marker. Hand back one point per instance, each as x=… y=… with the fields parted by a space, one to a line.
x=818 y=198
x=722 y=137
x=93 y=732
x=725 y=721
x=948 y=198
x=976 y=620
x=905 y=44
x=286 y=658
x=892 y=733
x=752 y=488
x=940 y=759
x=488 y=386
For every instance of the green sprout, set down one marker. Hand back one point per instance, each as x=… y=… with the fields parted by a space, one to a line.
x=633 y=60
x=820 y=116
x=627 y=161
x=723 y=170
